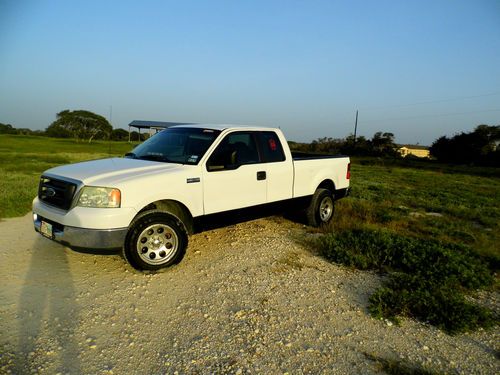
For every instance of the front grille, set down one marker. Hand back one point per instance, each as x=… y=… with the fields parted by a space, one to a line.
x=57 y=193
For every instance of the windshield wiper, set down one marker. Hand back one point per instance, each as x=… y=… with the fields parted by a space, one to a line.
x=130 y=155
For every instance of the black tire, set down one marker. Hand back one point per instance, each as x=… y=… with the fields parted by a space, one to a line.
x=156 y=239
x=321 y=208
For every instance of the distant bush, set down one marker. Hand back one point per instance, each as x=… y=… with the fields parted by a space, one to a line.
x=381 y=144
x=9 y=129
x=138 y=137
x=119 y=135
x=427 y=278
x=480 y=146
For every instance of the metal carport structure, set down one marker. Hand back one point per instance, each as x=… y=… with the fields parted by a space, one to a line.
x=156 y=125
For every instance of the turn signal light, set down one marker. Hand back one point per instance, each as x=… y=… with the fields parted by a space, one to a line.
x=115 y=197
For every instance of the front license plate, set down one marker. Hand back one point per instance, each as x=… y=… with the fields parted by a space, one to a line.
x=46 y=229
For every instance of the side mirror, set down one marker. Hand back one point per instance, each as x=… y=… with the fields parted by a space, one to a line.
x=213 y=167
x=230 y=167
x=227 y=167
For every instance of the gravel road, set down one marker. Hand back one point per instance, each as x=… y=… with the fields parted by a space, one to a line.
x=249 y=298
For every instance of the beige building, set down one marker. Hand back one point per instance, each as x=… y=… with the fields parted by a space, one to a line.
x=415 y=150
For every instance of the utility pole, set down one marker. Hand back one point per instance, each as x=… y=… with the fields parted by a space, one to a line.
x=356 y=126
x=111 y=123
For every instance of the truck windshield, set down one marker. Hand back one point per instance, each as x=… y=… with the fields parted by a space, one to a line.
x=176 y=145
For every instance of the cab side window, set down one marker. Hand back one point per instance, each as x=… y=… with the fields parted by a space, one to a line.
x=236 y=149
x=271 y=148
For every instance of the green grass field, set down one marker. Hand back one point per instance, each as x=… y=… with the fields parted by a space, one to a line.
x=452 y=204
x=24 y=158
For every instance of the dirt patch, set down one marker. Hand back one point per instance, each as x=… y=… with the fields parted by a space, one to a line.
x=249 y=298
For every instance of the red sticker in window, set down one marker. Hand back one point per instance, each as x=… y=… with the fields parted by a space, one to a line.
x=272 y=144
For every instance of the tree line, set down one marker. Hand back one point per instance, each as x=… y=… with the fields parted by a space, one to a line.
x=80 y=125
x=481 y=146
x=381 y=145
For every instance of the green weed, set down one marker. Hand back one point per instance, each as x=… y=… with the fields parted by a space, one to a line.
x=427 y=280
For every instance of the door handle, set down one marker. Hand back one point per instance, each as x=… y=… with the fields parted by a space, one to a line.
x=261 y=175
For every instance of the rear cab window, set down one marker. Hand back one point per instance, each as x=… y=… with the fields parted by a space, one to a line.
x=270 y=147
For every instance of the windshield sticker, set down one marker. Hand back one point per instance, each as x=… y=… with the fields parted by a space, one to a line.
x=193 y=159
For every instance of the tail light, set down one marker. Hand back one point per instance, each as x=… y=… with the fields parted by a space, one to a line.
x=348 y=175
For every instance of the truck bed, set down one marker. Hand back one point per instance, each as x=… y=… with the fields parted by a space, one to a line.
x=297 y=155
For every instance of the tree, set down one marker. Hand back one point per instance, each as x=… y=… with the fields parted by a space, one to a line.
x=441 y=148
x=80 y=124
x=326 y=145
x=136 y=137
x=119 y=135
x=7 y=129
x=479 y=147
x=360 y=147
x=383 y=144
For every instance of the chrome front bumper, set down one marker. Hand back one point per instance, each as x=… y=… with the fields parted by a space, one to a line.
x=82 y=237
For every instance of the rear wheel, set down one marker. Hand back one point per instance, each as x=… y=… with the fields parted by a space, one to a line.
x=155 y=240
x=321 y=208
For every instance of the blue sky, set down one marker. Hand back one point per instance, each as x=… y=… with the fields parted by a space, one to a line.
x=419 y=69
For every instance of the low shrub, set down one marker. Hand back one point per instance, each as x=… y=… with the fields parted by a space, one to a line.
x=428 y=278
x=442 y=305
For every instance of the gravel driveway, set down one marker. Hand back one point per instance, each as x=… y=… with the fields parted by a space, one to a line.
x=249 y=298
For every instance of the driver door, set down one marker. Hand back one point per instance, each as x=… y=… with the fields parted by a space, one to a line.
x=233 y=176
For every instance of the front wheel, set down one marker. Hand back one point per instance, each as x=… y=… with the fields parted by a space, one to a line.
x=321 y=208
x=155 y=240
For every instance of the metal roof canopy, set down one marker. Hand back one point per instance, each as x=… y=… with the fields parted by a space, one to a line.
x=157 y=125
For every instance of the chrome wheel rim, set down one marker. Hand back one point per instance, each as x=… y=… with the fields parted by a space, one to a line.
x=326 y=209
x=157 y=244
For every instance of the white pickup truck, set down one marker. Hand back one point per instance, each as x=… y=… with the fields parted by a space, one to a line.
x=148 y=201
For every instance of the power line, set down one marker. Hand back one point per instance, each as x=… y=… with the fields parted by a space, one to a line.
x=436 y=101
x=431 y=116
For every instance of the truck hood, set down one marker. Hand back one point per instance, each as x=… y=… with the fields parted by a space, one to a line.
x=110 y=170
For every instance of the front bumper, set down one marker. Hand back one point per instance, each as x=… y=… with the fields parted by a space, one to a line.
x=82 y=237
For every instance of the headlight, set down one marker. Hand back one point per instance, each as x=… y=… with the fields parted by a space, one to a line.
x=99 y=197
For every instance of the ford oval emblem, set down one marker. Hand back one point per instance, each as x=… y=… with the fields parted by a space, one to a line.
x=50 y=192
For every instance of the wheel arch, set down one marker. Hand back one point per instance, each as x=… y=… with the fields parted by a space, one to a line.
x=175 y=208
x=327 y=184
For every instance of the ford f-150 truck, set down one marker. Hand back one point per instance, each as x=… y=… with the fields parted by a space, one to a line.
x=146 y=202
